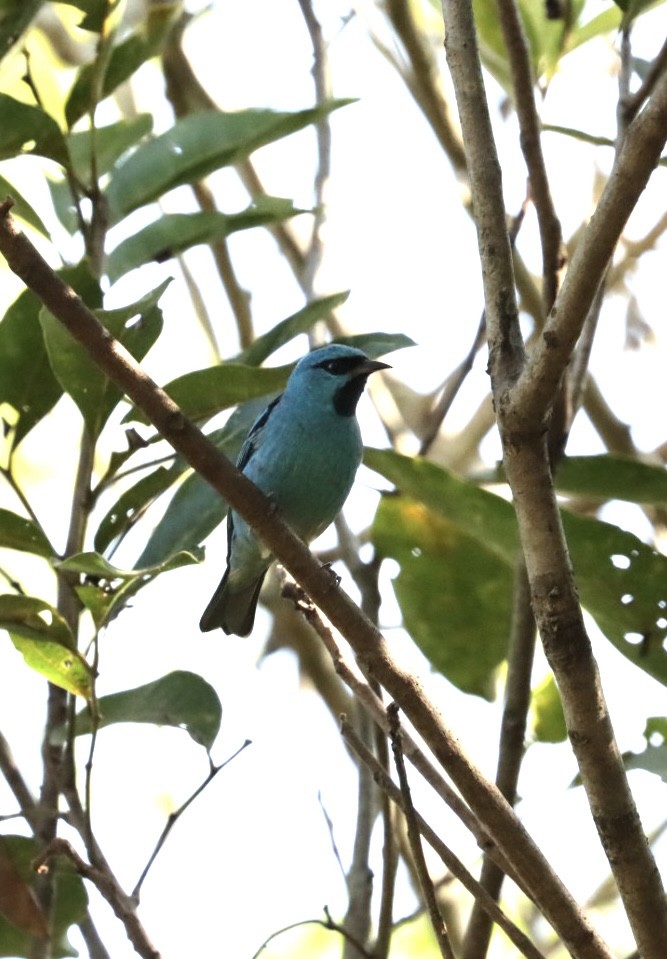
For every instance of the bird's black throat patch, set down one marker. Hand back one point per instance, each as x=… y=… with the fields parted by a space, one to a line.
x=347 y=396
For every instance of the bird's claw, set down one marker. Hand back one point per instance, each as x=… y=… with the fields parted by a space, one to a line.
x=332 y=572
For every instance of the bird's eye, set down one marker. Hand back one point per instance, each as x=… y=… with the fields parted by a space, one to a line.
x=340 y=365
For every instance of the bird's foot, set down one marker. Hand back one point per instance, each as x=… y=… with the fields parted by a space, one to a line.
x=332 y=572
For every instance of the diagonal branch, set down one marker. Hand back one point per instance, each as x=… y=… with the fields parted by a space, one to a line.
x=450 y=860
x=638 y=157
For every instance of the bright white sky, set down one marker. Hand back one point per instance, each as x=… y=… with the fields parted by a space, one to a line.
x=232 y=871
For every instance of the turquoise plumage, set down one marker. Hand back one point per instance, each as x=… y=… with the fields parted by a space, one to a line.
x=303 y=452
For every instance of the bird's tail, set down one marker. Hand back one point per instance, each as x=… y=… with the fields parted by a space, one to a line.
x=232 y=608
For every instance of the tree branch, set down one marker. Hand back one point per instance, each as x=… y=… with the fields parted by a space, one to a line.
x=636 y=160
x=512 y=748
x=449 y=859
x=425 y=881
x=123 y=907
x=523 y=84
x=524 y=391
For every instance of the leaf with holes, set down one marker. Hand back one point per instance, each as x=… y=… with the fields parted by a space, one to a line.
x=454 y=593
x=40 y=633
x=622 y=581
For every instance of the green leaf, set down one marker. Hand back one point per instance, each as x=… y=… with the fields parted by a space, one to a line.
x=656 y=729
x=455 y=595
x=137 y=327
x=61 y=668
x=63 y=202
x=203 y=393
x=623 y=584
x=281 y=333
x=107 y=589
x=377 y=344
x=125 y=59
x=578 y=135
x=604 y=478
x=621 y=581
x=479 y=514
x=196 y=508
x=26 y=380
x=548 y=718
x=175 y=232
x=15 y=18
x=132 y=504
x=604 y=23
x=18 y=902
x=612 y=477
x=196 y=146
x=193 y=513
x=180 y=699
x=17 y=532
x=653 y=759
x=22 y=208
x=111 y=142
x=46 y=643
x=28 y=129
x=70 y=902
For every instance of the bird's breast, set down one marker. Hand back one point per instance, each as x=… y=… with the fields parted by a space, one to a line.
x=310 y=476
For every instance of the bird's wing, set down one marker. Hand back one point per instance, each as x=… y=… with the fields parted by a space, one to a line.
x=250 y=442
x=249 y=446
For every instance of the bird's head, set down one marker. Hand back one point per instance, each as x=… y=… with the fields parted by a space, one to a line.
x=335 y=373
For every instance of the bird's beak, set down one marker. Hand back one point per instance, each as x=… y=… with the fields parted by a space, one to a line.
x=367 y=367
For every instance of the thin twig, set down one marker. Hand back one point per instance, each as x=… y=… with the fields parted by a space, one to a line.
x=123 y=906
x=423 y=81
x=512 y=747
x=322 y=78
x=425 y=881
x=332 y=837
x=359 y=878
x=365 y=576
x=327 y=923
x=450 y=860
x=638 y=157
x=523 y=88
x=173 y=817
x=17 y=784
x=633 y=102
x=91 y=937
x=373 y=704
x=457 y=378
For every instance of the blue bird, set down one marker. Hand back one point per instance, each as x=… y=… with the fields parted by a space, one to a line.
x=303 y=451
